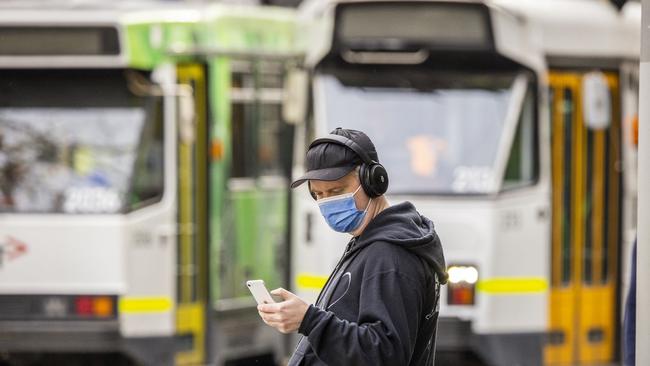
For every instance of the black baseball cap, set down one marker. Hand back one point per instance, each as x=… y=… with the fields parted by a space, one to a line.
x=331 y=161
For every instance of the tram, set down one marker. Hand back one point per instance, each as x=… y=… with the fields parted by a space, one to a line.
x=507 y=122
x=144 y=179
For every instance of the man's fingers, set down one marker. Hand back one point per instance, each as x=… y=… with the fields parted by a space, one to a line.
x=284 y=294
x=273 y=316
x=266 y=317
x=271 y=319
x=269 y=308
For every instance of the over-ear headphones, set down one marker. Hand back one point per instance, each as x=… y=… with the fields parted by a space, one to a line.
x=373 y=176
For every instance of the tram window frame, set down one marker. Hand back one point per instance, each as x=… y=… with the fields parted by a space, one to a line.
x=530 y=106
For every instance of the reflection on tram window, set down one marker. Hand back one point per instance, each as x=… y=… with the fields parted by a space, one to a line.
x=67 y=160
x=437 y=133
x=78 y=141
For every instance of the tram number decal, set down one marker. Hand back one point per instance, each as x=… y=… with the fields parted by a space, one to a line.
x=472 y=179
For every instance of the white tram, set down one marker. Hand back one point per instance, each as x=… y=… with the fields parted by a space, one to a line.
x=507 y=123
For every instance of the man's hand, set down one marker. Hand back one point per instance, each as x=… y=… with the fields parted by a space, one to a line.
x=284 y=316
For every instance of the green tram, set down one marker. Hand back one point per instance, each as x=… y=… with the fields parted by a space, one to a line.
x=144 y=162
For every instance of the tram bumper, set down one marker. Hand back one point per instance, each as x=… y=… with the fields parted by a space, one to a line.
x=494 y=349
x=59 y=336
x=75 y=337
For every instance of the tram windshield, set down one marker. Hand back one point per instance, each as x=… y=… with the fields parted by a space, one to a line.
x=56 y=157
x=436 y=134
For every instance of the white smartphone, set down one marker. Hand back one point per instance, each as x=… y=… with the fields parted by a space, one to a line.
x=259 y=291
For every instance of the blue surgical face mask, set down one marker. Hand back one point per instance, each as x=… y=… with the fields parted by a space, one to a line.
x=341 y=212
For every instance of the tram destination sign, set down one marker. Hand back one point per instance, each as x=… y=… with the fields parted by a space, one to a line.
x=58 y=41
x=393 y=25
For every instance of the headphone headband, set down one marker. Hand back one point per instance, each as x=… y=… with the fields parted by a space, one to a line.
x=342 y=140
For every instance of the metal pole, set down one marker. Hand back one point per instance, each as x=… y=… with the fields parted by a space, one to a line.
x=643 y=221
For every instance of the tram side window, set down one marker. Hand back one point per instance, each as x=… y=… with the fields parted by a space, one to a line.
x=242 y=157
x=523 y=162
x=274 y=143
x=260 y=139
x=148 y=173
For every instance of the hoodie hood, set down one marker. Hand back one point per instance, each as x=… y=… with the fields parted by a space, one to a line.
x=402 y=225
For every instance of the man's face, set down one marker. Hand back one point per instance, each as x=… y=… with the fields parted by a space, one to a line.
x=348 y=184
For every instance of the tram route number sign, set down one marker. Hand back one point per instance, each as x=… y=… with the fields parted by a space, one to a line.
x=10 y=249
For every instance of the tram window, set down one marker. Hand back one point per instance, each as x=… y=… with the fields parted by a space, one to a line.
x=270 y=139
x=522 y=167
x=260 y=143
x=568 y=109
x=438 y=25
x=589 y=214
x=70 y=140
x=148 y=176
x=438 y=132
x=243 y=161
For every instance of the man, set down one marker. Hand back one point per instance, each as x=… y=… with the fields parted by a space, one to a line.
x=380 y=304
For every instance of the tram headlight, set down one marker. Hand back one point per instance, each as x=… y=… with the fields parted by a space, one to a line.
x=458 y=274
x=462 y=284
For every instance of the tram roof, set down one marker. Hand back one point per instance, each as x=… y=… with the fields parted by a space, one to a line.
x=141 y=10
x=152 y=31
x=563 y=29
x=582 y=28
x=509 y=37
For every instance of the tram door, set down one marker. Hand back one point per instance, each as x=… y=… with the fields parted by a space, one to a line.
x=192 y=216
x=586 y=224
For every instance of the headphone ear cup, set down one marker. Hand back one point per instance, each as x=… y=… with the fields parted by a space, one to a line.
x=365 y=181
x=378 y=179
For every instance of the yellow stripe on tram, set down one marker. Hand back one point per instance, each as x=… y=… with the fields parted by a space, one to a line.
x=140 y=305
x=511 y=286
x=489 y=286
x=311 y=282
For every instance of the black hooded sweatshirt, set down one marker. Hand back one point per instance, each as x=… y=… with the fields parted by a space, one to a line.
x=379 y=306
